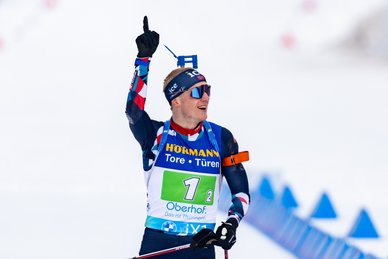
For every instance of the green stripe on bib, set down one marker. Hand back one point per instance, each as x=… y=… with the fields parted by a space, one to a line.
x=188 y=188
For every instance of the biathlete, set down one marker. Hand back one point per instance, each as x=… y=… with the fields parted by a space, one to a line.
x=184 y=159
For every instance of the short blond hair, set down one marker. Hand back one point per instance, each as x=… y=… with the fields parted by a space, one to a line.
x=173 y=74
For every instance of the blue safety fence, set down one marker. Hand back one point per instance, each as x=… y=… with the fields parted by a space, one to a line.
x=275 y=218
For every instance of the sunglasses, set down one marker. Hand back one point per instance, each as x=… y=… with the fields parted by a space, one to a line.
x=197 y=92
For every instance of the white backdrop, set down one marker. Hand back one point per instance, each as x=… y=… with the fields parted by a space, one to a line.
x=312 y=116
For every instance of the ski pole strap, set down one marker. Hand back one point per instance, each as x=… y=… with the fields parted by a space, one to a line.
x=162 y=252
x=236 y=158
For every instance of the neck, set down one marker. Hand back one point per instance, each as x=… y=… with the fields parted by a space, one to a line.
x=186 y=129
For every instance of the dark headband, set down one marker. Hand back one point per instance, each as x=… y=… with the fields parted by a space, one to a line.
x=182 y=82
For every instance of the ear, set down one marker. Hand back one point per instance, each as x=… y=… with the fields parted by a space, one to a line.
x=175 y=102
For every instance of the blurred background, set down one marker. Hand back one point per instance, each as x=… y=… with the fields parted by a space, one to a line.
x=302 y=85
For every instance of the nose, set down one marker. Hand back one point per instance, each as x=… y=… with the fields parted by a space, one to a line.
x=205 y=96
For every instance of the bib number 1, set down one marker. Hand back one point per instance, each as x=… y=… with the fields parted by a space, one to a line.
x=191 y=184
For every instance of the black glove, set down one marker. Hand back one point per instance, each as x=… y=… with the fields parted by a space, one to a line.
x=203 y=238
x=147 y=42
x=226 y=234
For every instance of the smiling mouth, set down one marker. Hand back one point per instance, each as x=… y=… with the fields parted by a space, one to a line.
x=202 y=107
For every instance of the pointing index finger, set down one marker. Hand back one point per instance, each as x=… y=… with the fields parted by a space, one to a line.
x=145 y=24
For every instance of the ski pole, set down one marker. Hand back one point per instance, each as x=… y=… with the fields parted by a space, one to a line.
x=226 y=254
x=162 y=252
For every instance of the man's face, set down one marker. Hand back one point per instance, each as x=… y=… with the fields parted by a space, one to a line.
x=192 y=110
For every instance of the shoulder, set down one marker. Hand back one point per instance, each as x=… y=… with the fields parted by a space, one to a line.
x=225 y=137
x=222 y=131
x=157 y=124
